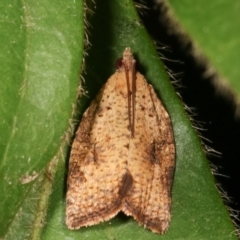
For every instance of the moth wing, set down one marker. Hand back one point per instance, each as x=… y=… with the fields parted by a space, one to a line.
x=151 y=161
x=98 y=179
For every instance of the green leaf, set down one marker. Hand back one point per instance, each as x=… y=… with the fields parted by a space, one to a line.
x=41 y=50
x=41 y=60
x=212 y=28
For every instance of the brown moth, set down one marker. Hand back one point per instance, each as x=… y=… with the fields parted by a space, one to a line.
x=123 y=155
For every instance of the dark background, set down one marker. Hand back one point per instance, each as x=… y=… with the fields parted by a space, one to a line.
x=214 y=111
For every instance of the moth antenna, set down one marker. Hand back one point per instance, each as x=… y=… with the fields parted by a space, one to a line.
x=129 y=64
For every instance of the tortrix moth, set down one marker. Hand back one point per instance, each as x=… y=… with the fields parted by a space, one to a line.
x=123 y=155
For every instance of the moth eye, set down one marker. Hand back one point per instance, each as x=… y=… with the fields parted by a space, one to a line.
x=119 y=63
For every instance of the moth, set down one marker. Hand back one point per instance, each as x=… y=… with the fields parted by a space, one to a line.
x=123 y=155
